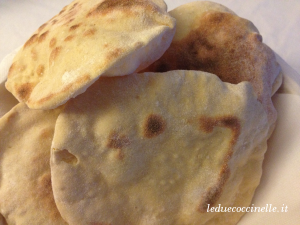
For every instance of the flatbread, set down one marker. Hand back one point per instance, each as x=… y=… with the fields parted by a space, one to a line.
x=86 y=40
x=155 y=148
x=210 y=37
x=25 y=181
x=7 y=100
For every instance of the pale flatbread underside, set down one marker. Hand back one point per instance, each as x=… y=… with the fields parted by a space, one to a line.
x=157 y=149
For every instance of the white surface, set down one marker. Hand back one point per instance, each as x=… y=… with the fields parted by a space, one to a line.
x=280 y=183
x=279 y=23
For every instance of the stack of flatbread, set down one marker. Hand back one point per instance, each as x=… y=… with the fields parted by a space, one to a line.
x=129 y=114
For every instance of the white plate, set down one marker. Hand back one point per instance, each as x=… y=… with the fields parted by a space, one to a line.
x=278 y=22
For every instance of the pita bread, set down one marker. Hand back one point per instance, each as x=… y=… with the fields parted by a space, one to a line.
x=7 y=99
x=210 y=37
x=157 y=148
x=86 y=40
x=25 y=182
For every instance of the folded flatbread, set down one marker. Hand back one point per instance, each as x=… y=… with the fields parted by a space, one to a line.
x=86 y=40
x=25 y=181
x=210 y=37
x=158 y=148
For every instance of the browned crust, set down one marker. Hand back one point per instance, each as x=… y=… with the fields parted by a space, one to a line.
x=222 y=45
x=74 y=27
x=117 y=141
x=207 y=125
x=24 y=91
x=31 y=40
x=54 y=53
x=43 y=36
x=154 y=125
x=90 y=32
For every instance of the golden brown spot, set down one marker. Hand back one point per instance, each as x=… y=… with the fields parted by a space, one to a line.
x=117 y=141
x=63 y=10
x=31 y=40
x=52 y=43
x=108 y=6
x=54 y=21
x=214 y=193
x=42 y=27
x=73 y=6
x=90 y=32
x=66 y=156
x=33 y=54
x=24 y=91
x=114 y=54
x=215 y=18
x=69 y=38
x=70 y=16
x=74 y=27
x=40 y=70
x=55 y=52
x=207 y=124
x=154 y=126
x=43 y=36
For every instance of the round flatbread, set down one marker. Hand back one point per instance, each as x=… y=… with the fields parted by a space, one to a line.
x=210 y=37
x=86 y=40
x=25 y=181
x=158 y=149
